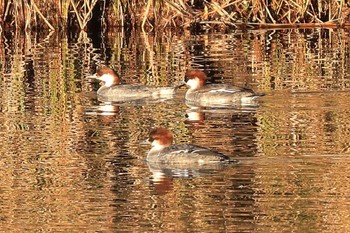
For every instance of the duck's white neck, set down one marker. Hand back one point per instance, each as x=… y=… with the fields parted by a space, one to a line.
x=156 y=147
x=193 y=84
x=108 y=79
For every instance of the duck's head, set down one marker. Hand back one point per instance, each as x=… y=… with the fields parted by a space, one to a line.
x=106 y=75
x=160 y=138
x=195 y=79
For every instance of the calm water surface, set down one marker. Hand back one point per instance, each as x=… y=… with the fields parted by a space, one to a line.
x=72 y=163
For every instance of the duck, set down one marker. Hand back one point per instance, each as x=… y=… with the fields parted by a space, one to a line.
x=215 y=95
x=113 y=90
x=163 y=151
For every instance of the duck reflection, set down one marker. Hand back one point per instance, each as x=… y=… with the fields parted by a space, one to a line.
x=160 y=170
x=198 y=115
x=233 y=131
x=163 y=175
x=103 y=109
x=195 y=115
x=220 y=110
x=107 y=112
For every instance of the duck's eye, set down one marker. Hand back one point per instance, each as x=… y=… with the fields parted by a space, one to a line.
x=151 y=139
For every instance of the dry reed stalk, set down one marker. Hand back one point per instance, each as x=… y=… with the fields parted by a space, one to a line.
x=84 y=14
x=145 y=16
x=150 y=14
x=42 y=16
x=150 y=51
x=63 y=9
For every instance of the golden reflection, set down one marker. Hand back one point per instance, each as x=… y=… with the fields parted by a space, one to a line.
x=44 y=180
x=70 y=162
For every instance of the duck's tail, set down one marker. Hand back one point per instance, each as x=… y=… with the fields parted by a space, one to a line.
x=259 y=94
x=251 y=99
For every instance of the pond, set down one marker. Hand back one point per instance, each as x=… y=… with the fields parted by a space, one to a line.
x=70 y=162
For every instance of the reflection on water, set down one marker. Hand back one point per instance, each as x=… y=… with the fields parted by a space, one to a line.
x=73 y=163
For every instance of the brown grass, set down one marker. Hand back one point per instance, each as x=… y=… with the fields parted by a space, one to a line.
x=150 y=15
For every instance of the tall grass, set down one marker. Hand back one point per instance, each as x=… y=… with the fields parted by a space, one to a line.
x=150 y=14
x=51 y=14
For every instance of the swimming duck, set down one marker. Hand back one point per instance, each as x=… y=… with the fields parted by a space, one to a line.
x=214 y=95
x=112 y=90
x=164 y=151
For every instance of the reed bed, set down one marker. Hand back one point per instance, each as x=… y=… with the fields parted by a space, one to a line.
x=191 y=14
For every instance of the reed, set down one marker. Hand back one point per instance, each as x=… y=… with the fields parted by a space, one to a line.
x=152 y=15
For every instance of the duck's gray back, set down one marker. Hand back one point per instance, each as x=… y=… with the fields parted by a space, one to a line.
x=220 y=94
x=133 y=92
x=185 y=153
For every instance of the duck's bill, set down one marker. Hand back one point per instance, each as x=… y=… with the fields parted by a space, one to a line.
x=181 y=85
x=94 y=76
x=145 y=142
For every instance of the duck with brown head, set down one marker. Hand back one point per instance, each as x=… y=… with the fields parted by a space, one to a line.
x=164 y=151
x=215 y=95
x=113 y=90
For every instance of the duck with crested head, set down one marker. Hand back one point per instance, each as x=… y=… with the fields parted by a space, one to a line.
x=165 y=152
x=113 y=90
x=215 y=95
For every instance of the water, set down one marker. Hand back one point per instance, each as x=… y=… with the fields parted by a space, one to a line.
x=72 y=163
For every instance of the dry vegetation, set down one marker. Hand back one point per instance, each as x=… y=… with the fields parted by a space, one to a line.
x=195 y=14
